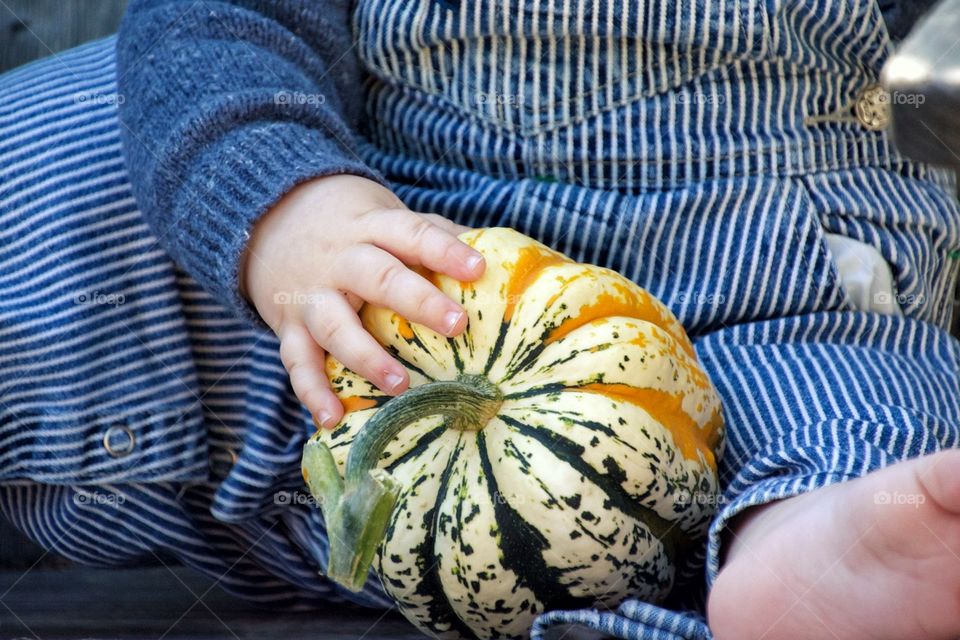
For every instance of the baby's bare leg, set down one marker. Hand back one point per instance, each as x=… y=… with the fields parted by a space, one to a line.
x=874 y=558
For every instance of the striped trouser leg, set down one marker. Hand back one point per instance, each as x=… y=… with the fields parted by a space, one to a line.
x=101 y=333
x=809 y=401
x=815 y=400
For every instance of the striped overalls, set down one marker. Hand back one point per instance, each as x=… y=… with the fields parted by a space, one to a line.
x=703 y=149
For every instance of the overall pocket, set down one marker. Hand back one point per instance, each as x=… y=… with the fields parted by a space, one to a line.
x=527 y=67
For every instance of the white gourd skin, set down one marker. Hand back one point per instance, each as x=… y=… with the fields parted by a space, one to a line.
x=597 y=467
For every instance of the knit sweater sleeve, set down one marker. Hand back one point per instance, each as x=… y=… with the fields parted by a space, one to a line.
x=227 y=105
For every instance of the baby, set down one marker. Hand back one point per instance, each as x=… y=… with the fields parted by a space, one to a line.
x=295 y=159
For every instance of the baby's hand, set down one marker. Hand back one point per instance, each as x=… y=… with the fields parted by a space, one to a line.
x=328 y=246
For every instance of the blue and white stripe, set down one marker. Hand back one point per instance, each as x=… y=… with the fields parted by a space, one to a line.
x=102 y=337
x=668 y=143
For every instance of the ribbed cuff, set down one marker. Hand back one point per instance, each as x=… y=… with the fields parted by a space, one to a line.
x=240 y=179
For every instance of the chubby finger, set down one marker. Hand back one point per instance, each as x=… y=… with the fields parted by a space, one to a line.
x=389 y=283
x=416 y=240
x=334 y=325
x=446 y=224
x=305 y=362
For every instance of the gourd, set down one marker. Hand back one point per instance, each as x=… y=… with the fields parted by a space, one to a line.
x=560 y=453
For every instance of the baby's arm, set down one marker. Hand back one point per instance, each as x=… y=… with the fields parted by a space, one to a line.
x=228 y=106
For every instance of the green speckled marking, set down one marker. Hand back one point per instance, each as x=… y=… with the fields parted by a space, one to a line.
x=572 y=453
x=523 y=545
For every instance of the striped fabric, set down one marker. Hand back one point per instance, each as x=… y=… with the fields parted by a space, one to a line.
x=666 y=140
x=699 y=108
x=106 y=346
x=622 y=95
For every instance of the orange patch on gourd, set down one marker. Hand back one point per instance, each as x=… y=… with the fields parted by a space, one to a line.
x=640 y=340
x=667 y=409
x=714 y=428
x=563 y=282
x=524 y=272
x=686 y=361
x=357 y=403
x=473 y=237
x=403 y=327
x=628 y=302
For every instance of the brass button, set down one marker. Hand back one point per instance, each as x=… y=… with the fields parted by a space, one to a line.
x=872 y=108
x=119 y=441
x=222 y=460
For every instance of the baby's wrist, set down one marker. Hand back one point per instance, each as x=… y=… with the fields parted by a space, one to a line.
x=318 y=210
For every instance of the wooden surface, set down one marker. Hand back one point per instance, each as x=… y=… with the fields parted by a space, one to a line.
x=177 y=604
x=31 y=29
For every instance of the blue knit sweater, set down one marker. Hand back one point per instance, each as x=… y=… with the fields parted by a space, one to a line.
x=228 y=105
x=231 y=104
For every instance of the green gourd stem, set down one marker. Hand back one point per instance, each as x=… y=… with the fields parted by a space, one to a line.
x=357 y=508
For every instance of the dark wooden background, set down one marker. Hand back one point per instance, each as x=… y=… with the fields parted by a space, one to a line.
x=31 y=29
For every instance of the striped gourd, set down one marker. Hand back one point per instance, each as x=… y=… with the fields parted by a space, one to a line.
x=560 y=453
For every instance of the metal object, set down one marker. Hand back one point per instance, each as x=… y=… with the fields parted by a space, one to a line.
x=923 y=79
x=119 y=441
x=872 y=108
x=869 y=109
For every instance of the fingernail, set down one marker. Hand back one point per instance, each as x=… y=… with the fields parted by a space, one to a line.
x=451 y=319
x=393 y=381
x=323 y=418
x=474 y=261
